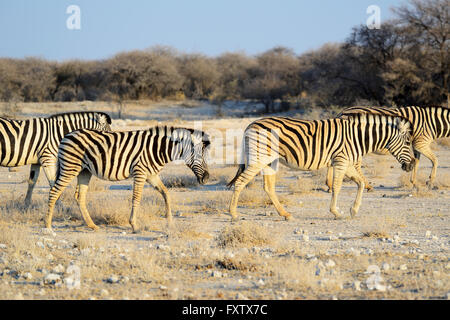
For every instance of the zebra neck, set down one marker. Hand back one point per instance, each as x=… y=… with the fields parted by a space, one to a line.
x=180 y=149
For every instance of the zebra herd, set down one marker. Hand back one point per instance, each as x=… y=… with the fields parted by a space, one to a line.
x=82 y=144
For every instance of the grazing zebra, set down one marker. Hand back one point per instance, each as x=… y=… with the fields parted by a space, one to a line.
x=428 y=124
x=311 y=145
x=117 y=156
x=35 y=141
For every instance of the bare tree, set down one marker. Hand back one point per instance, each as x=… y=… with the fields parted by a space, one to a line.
x=428 y=23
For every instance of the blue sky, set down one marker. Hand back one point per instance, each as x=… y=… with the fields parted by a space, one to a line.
x=38 y=28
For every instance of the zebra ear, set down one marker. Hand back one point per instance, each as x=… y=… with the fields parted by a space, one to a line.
x=101 y=119
x=403 y=125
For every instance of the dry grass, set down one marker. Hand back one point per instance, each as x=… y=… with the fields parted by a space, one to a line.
x=381 y=168
x=304 y=185
x=444 y=142
x=245 y=234
x=223 y=175
x=376 y=234
x=183 y=181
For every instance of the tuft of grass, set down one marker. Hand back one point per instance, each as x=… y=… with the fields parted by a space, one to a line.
x=444 y=142
x=244 y=234
x=234 y=264
x=304 y=185
x=376 y=234
x=182 y=181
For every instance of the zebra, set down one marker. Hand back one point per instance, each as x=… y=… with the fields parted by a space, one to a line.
x=35 y=141
x=311 y=145
x=428 y=124
x=119 y=155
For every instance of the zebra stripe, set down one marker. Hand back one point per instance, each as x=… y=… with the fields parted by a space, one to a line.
x=35 y=141
x=428 y=124
x=311 y=145
x=117 y=156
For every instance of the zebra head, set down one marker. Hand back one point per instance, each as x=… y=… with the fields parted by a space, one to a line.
x=195 y=151
x=399 y=145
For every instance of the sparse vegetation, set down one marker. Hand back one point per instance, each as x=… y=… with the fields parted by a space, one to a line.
x=405 y=62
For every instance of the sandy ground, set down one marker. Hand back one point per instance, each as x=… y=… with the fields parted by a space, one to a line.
x=397 y=247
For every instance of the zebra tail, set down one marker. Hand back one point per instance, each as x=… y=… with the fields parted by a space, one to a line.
x=238 y=173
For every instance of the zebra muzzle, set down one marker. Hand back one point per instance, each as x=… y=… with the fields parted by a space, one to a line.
x=409 y=166
x=204 y=178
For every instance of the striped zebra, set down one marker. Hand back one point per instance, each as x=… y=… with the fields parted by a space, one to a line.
x=35 y=141
x=311 y=145
x=428 y=124
x=117 y=156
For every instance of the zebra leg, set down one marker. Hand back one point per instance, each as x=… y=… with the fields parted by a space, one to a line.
x=430 y=155
x=77 y=192
x=56 y=189
x=354 y=174
x=416 y=167
x=329 y=181
x=338 y=176
x=156 y=182
x=82 y=186
x=363 y=177
x=269 y=186
x=139 y=181
x=50 y=172
x=245 y=177
x=34 y=175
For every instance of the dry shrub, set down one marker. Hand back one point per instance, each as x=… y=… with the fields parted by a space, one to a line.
x=304 y=185
x=380 y=168
x=254 y=198
x=244 y=234
x=89 y=240
x=294 y=274
x=182 y=181
x=380 y=226
x=185 y=231
x=96 y=185
x=16 y=236
x=233 y=264
x=257 y=198
x=376 y=234
x=405 y=178
x=443 y=180
x=223 y=175
x=444 y=142
x=117 y=212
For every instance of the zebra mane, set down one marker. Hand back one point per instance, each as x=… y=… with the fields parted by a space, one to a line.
x=61 y=115
x=425 y=107
x=380 y=111
x=386 y=111
x=180 y=133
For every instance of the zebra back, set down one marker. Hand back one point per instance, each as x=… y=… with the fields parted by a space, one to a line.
x=428 y=123
x=29 y=141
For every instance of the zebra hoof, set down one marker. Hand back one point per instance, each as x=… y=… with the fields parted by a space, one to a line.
x=94 y=228
x=431 y=185
x=338 y=215
x=235 y=219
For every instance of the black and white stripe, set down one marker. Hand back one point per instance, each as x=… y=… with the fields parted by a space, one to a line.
x=311 y=145
x=130 y=154
x=427 y=125
x=35 y=141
